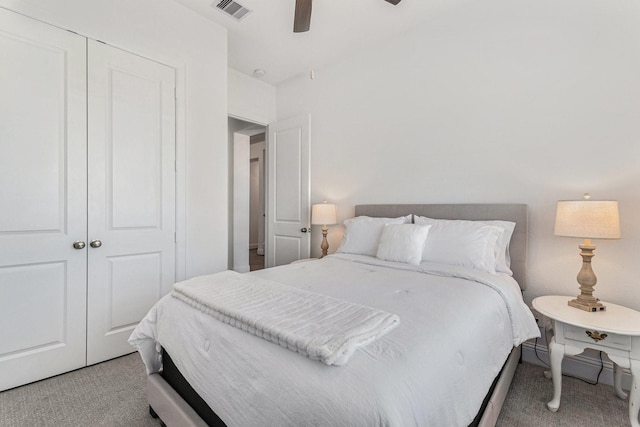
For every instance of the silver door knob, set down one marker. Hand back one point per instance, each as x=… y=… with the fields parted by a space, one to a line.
x=303 y=229
x=78 y=244
x=95 y=243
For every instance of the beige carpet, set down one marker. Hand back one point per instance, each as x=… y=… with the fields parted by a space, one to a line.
x=582 y=404
x=114 y=394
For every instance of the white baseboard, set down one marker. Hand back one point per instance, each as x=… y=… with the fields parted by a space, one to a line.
x=584 y=366
x=253 y=246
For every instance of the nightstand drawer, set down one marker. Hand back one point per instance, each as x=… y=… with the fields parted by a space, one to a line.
x=592 y=336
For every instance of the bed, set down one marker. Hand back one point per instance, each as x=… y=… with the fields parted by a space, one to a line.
x=449 y=361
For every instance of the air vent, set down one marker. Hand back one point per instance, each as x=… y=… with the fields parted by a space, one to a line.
x=233 y=9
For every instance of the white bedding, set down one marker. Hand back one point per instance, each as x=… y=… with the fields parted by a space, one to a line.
x=434 y=369
x=314 y=325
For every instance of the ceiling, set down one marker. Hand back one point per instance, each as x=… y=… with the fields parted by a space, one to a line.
x=265 y=40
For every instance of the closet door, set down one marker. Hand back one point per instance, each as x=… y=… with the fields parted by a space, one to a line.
x=131 y=191
x=43 y=200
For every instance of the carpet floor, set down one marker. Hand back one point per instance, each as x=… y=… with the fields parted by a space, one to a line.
x=113 y=393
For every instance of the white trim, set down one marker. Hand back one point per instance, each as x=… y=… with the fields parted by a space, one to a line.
x=181 y=172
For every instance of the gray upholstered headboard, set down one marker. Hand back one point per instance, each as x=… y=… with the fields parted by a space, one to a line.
x=517 y=213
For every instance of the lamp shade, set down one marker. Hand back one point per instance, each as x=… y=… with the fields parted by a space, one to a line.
x=323 y=214
x=589 y=219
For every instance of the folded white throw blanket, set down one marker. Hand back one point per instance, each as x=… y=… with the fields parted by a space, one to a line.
x=317 y=326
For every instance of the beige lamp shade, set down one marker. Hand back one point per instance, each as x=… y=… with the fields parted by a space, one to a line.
x=588 y=219
x=323 y=214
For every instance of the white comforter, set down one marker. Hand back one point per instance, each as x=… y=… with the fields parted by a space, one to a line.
x=457 y=329
x=314 y=325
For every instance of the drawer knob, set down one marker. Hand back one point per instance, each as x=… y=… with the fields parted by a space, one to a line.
x=596 y=336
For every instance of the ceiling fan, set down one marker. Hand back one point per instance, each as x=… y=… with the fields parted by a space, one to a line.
x=302 y=18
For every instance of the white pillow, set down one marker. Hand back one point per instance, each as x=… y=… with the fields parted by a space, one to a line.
x=402 y=243
x=459 y=242
x=362 y=234
x=503 y=258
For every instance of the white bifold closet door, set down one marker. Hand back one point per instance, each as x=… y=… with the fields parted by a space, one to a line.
x=131 y=213
x=87 y=155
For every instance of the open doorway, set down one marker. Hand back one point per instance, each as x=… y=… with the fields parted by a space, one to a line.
x=256 y=201
x=246 y=195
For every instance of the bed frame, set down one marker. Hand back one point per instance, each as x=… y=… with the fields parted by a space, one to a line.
x=172 y=399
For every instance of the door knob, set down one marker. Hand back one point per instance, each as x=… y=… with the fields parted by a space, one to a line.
x=304 y=229
x=78 y=244
x=95 y=243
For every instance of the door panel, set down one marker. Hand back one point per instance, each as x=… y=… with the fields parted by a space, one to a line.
x=43 y=192
x=287 y=249
x=145 y=271
x=43 y=286
x=135 y=199
x=131 y=194
x=288 y=212
x=287 y=153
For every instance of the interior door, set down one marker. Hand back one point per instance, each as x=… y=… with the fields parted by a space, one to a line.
x=288 y=205
x=131 y=234
x=43 y=195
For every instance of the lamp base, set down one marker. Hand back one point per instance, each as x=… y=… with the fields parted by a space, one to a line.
x=587 y=305
x=324 y=246
x=587 y=280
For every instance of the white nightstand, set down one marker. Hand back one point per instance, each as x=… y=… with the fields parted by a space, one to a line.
x=615 y=331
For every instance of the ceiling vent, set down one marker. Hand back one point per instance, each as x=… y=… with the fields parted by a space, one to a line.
x=233 y=9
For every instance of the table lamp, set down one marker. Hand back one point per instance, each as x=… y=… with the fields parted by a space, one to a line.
x=323 y=214
x=587 y=219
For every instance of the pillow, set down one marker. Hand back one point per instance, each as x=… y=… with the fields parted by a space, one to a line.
x=362 y=234
x=402 y=243
x=459 y=242
x=503 y=258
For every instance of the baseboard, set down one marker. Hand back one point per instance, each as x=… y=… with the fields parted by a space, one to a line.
x=585 y=366
x=253 y=246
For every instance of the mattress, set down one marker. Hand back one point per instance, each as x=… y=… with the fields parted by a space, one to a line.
x=457 y=327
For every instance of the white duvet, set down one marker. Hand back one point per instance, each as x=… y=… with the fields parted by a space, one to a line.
x=314 y=325
x=457 y=328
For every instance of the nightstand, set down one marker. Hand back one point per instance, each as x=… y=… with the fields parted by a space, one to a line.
x=615 y=331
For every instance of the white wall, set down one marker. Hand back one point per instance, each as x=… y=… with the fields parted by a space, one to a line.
x=494 y=101
x=167 y=32
x=251 y=99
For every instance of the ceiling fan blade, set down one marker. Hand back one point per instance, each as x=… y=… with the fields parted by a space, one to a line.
x=302 y=18
x=393 y=2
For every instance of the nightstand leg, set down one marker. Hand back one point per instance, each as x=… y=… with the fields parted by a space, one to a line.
x=556 y=355
x=617 y=382
x=634 y=398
